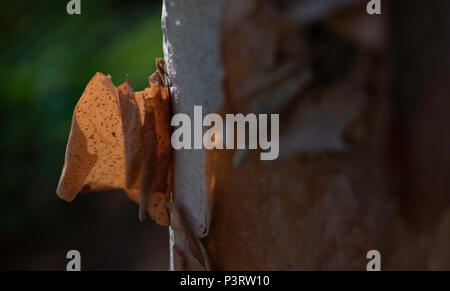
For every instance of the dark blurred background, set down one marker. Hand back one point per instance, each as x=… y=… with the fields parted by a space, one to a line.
x=47 y=59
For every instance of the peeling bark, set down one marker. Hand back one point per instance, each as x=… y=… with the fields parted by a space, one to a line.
x=340 y=187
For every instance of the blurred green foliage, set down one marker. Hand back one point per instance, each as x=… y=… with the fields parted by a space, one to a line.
x=47 y=59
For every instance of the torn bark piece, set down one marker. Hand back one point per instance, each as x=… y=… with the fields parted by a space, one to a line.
x=149 y=158
x=155 y=100
x=190 y=250
x=121 y=140
x=161 y=108
x=158 y=208
x=94 y=155
x=132 y=128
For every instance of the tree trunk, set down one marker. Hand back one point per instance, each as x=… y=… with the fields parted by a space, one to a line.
x=356 y=170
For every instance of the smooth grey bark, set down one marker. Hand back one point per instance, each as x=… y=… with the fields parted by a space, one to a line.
x=192 y=54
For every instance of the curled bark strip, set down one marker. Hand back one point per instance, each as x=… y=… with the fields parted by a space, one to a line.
x=190 y=250
x=120 y=139
x=132 y=127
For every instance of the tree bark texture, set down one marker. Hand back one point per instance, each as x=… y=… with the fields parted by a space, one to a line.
x=364 y=146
